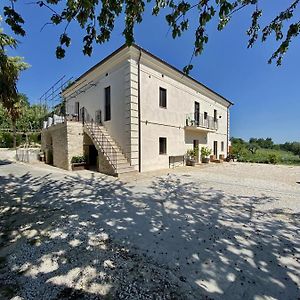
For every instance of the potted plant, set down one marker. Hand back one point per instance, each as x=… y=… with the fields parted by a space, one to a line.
x=190 y=157
x=205 y=153
x=78 y=162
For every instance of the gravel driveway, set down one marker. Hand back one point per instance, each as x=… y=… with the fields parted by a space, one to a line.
x=223 y=231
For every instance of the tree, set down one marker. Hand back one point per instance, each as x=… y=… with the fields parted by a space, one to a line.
x=253 y=147
x=97 y=19
x=10 y=67
x=238 y=146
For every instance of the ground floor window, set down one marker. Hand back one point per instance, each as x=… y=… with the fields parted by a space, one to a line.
x=222 y=146
x=162 y=145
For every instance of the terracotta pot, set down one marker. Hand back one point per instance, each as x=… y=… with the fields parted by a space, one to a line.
x=190 y=162
x=205 y=160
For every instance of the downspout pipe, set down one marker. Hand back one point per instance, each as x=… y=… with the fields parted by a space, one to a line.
x=139 y=112
x=228 y=126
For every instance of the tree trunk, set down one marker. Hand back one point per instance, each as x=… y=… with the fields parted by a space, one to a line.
x=14 y=134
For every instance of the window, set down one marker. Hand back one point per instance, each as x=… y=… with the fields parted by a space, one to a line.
x=205 y=115
x=107 y=109
x=215 y=115
x=162 y=97
x=162 y=145
x=222 y=146
x=76 y=108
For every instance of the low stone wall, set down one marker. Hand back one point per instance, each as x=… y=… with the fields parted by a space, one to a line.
x=74 y=140
x=61 y=142
x=27 y=155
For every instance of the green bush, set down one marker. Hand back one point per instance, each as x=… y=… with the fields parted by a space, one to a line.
x=34 y=138
x=7 y=140
x=205 y=152
x=273 y=158
x=79 y=159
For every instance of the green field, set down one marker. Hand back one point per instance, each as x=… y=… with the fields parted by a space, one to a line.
x=270 y=156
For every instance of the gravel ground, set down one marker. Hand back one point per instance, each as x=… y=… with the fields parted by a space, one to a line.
x=222 y=231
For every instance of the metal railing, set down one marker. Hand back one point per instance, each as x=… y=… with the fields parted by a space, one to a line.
x=98 y=136
x=201 y=120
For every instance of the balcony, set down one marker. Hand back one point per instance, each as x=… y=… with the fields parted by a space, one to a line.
x=201 y=122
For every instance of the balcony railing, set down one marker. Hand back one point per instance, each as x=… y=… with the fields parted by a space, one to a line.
x=202 y=121
x=82 y=117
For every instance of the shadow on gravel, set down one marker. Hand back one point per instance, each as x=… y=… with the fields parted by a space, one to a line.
x=4 y=162
x=94 y=238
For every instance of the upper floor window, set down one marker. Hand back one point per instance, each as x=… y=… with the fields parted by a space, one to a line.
x=162 y=97
x=107 y=106
x=215 y=115
x=162 y=145
x=76 y=109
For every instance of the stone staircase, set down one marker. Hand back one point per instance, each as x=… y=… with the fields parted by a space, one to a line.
x=109 y=148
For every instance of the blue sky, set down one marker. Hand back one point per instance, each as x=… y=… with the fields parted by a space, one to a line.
x=266 y=97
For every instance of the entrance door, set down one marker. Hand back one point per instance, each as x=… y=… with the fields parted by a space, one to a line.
x=93 y=155
x=196 y=147
x=197 y=113
x=216 y=149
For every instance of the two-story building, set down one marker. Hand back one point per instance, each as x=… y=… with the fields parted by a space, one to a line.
x=134 y=112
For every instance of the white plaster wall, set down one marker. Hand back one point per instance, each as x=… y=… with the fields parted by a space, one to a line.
x=121 y=73
x=170 y=122
x=93 y=100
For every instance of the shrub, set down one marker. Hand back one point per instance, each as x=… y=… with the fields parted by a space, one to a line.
x=205 y=152
x=79 y=159
x=34 y=138
x=192 y=152
x=6 y=140
x=273 y=158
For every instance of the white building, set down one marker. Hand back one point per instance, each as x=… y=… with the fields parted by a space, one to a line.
x=143 y=111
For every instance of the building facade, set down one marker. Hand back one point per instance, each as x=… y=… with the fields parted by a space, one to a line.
x=146 y=109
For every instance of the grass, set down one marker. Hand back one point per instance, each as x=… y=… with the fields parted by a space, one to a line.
x=270 y=156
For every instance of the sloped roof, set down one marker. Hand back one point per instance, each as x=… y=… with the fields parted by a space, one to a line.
x=153 y=56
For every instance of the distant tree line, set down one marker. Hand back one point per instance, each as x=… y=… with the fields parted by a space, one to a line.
x=260 y=143
x=260 y=150
x=292 y=147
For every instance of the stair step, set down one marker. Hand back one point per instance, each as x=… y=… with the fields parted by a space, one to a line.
x=125 y=170
x=123 y=166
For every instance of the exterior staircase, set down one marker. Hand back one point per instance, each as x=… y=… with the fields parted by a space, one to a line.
x=109 y=148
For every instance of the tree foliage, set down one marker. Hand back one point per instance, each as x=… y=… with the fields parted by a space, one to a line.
x=262 y=143
x=30 y=119
x=10 y=68
x=292 y=147
x=97 y=19
x=240 y=146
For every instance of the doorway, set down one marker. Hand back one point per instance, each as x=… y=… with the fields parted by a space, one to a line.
x=93 y=157
x=196 y=149
x=216 y=149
